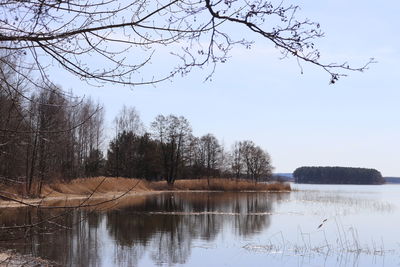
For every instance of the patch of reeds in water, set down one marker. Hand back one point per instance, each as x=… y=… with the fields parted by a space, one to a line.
x=347 y=242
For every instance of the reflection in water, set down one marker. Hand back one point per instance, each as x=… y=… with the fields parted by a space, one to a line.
x=169 y=223
x=347 y=203
x=163 y=226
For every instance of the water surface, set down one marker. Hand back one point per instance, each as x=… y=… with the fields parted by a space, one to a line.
x=318 y=225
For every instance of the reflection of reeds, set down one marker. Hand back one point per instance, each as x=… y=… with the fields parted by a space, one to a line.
x=347 y=242
x=348 y=204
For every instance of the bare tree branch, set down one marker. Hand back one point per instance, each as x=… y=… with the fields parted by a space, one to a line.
x=125 y=35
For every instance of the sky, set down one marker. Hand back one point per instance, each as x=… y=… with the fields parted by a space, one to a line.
x=299 y=119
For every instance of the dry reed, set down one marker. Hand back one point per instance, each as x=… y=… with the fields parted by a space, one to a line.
x=97 y=188
x=219 y=184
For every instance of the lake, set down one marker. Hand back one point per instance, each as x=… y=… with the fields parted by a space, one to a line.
x=315 y=225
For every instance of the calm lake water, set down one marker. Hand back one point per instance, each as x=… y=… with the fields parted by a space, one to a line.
x=318 y=225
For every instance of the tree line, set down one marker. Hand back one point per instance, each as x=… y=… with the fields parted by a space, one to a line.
x=337 y=175
x=47 y=134
x=170 y=151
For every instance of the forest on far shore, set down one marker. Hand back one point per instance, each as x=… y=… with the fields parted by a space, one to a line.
x=337 y=175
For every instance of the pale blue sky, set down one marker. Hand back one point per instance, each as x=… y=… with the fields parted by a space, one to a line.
x=299 y=119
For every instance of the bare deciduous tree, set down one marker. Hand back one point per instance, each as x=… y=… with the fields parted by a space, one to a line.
x=211 y=154
x=45 y=137
x=173 y=134
x=250 y=161
x=128 y=120
x=237 y=159
x=123 y=37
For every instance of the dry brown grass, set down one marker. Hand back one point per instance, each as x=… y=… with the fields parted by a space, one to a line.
x=85 y=186
x=218 y=184
x=101 y=189
x=101 y=185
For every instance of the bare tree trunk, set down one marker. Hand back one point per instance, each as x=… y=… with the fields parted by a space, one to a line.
x=33 y=163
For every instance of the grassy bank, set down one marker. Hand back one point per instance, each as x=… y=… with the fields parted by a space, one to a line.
x=110 y=188
x=227 y=185
x=111 y=184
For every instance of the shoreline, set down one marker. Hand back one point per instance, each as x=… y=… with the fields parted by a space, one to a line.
x=106 y=191
x=101 y=194
x=68 y=199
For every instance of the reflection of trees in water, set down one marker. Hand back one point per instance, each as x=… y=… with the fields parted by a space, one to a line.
x=248 y=224
x=71 y=239
x=168 y=223
x=172 y=246
x=84 y=243
x=165 y=226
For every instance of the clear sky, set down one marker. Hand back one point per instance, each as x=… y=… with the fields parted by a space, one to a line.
x=298 y=118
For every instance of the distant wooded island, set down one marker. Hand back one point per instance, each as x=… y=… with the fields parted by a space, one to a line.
x=337 y=175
